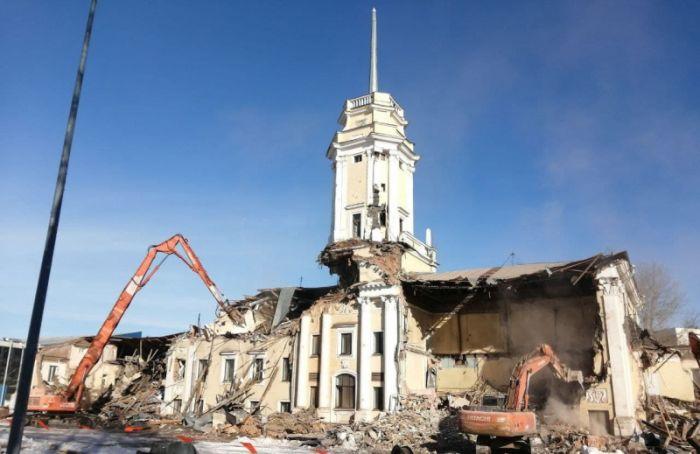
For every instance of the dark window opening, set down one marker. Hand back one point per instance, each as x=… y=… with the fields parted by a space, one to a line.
x=378 y=342
x=52 y=373
x=378 y=398
x=254 y=406
x=286 y=369
x=345 y=392
x=357 y=225
x=382 y=218
x=315 y=345
x=177 y=405
x=313 y=397
x=400 y=224
x=285 y=407
x=383 y=186
x=258 y=366
x=358 y=158
x=229 y=368
x=346 y=344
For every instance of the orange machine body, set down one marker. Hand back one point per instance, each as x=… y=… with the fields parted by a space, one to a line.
x=68 y=401
x=515 y=420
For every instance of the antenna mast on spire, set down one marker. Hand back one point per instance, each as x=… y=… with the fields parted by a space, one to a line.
x=373 y=80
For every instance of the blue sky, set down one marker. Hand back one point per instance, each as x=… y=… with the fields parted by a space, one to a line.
x=553 y=130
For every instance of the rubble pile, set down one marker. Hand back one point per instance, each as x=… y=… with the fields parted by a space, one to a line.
x=672 y=425
x=279 y=425
x=421 y=425
x=135 y=397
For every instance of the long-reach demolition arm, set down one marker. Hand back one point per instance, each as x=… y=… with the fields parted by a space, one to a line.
x=518 y=398
x=69 y=399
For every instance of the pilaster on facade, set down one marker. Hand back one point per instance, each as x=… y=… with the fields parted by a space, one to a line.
x=302 y=367
x=611 y=295
x=364 y=362
x=391 y=343
x=324 y=376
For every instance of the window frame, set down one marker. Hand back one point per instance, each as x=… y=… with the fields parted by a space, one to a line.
x=286 y=375
x=356 y=233
x=255 y=372
x=339 y=341
x=378 y=397
x=282 y=403
x=52 y=372
x=315 y=345
x=225 y=358
x=378 y=347
x=339 y=394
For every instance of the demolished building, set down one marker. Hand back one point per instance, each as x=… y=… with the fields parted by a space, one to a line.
x=57 y=360
x=394 y=326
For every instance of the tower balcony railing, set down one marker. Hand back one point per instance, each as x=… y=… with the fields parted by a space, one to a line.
x=371 y=98
x=419 y=246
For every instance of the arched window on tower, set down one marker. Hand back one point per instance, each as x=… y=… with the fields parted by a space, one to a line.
x=345 y=392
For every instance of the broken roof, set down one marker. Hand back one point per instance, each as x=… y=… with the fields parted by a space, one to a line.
x=491 y=276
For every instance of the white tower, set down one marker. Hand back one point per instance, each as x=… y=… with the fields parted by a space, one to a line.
x=374 y=163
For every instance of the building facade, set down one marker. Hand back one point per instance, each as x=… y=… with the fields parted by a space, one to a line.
x=394 y=327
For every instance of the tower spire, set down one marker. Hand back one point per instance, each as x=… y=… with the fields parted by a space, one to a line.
x=373 y=80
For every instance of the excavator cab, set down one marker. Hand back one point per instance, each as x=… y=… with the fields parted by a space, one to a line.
x=514 y=419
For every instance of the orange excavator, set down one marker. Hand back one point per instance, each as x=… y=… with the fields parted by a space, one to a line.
x=68 y=401
x=515 y=420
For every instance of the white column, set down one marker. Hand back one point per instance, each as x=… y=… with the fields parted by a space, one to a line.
x=339 y=201
x=393 y=196
x=391 y=337
x=302 y=391
x=324 y=376
x=365 y=357
x=624 y=401
x=409 y=197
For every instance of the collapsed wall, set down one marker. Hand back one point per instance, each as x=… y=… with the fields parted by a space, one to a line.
x=479 y=323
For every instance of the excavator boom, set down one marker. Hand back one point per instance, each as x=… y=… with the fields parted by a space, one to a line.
x=69 y=400
x=515 y=420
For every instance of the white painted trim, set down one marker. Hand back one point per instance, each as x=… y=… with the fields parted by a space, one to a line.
x=334 y=390
x=346 y=330
x=226 y=356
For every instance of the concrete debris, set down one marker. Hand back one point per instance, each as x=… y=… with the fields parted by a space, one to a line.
x=135 y=397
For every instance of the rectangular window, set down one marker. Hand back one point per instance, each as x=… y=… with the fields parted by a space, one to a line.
x=258 y=366
x=203 y=367
x=382 y=218
x=315 y=345
x=313 y=396
x=177 y=405
x=400 y=224
x=229 y=370
x=378 y=343
x=179 y=369
x=254 y=406
x=357 y=225
x=379 y=398
x=285 y=407
x=52 y=373
x=286 y=369
x=358 y=158
x=346 y=343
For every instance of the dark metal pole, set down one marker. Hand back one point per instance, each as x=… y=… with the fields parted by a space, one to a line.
x=25 y=377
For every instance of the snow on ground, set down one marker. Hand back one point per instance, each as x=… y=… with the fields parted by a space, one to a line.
x=53 y=440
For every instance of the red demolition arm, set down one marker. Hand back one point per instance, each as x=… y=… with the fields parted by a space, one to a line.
x=138 y=280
